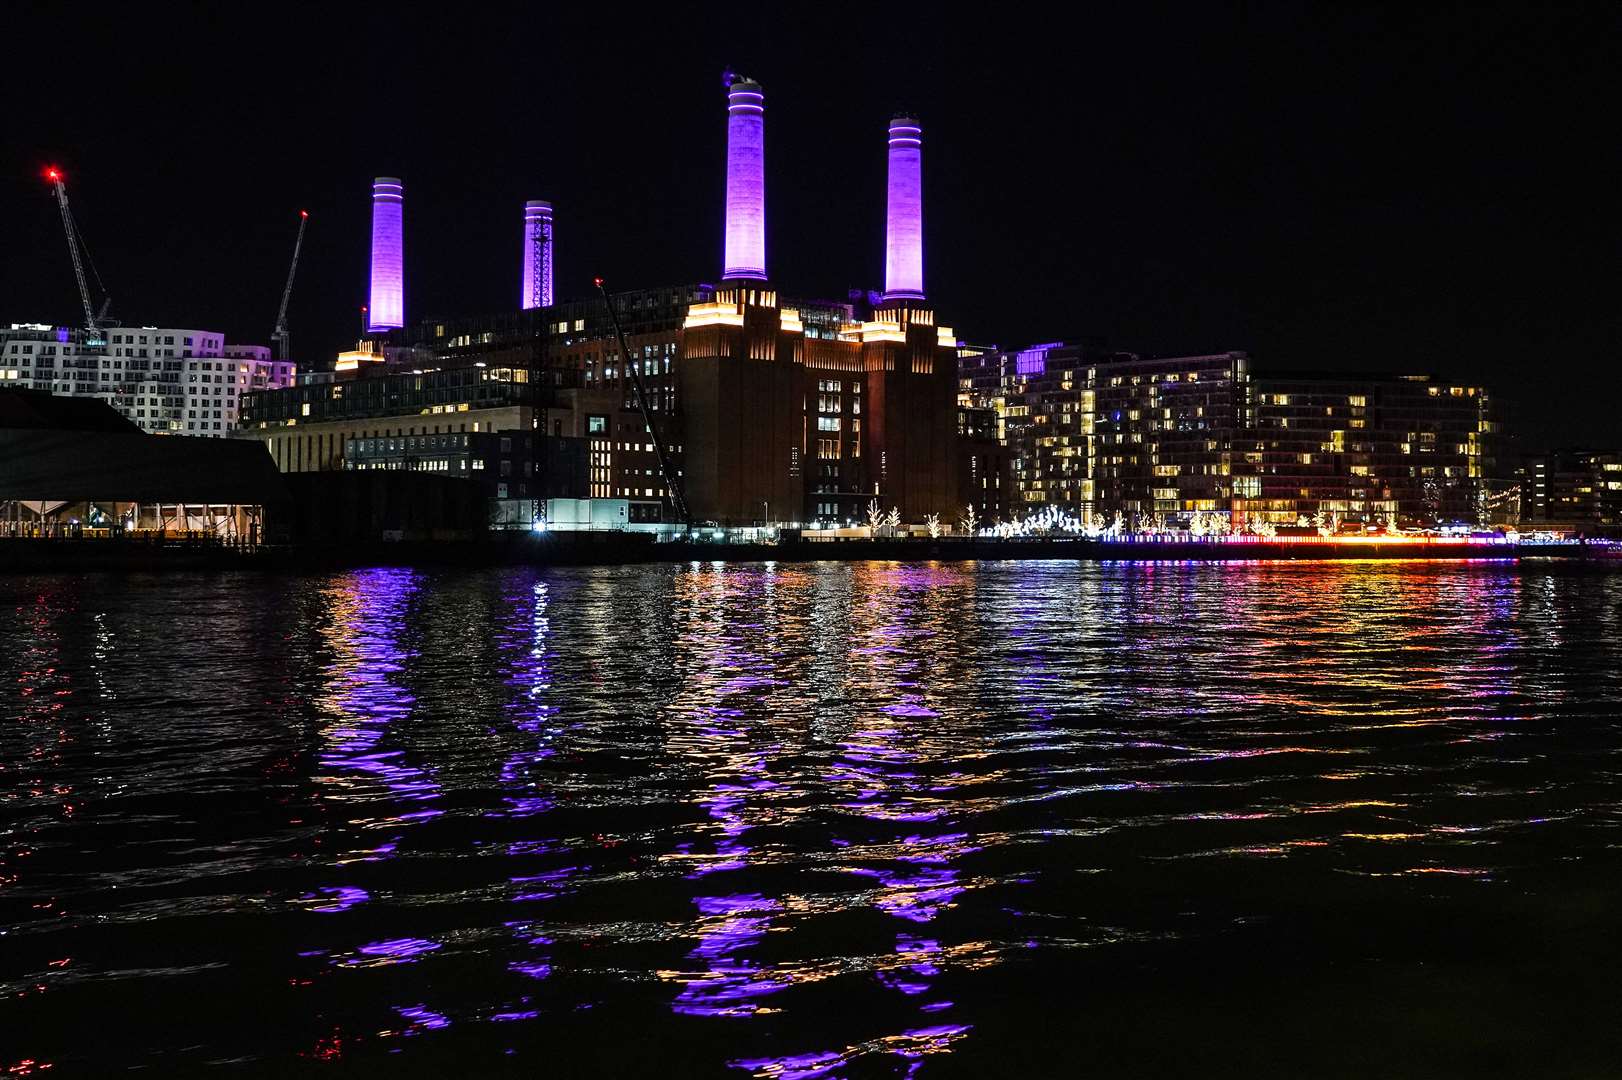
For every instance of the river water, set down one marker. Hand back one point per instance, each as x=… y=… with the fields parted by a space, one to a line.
x=1342 y=819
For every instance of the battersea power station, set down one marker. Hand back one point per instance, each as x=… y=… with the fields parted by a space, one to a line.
x=730 y=405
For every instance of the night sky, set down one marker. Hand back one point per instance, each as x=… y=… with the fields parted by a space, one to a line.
x=1352 y=189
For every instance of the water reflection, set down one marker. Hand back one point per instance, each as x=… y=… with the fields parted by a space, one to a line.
x=722 y=730
x=794 y=820
x=366 y=699
x=906 y=779
x=365 y=704
x=524 y=647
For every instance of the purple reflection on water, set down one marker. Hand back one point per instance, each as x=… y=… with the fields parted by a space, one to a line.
x=525 y=639
x=393 y=951
x=930 y=1039
x=533 y=968
x=368 y=698
x=728 y=925
x=911 y=1046
x=731 y=684
x=795 y=1066
x=338 y=898
x=894 y=770
x=918 y=896
x=914 y=978
x=530 y=678
x=507 y=1017
x=556 y=878
x=726 y=806
x=422 y=1017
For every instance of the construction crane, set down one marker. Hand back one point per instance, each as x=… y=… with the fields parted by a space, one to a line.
x=280 y=335
x=673 y=484
x=92 y=320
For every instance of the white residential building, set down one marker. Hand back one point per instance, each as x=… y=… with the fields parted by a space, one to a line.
x=170 y=381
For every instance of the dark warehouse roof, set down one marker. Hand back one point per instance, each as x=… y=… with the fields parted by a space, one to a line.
x=52 y=449
x=37 y=410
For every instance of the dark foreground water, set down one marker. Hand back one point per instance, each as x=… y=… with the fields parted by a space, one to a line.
x=842 y=820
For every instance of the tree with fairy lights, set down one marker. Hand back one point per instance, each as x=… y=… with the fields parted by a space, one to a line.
x=971 y=520
x=875 y=519
x=932 y=522
x=892 y=520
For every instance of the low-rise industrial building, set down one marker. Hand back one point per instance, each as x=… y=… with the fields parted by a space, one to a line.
x=74 y=467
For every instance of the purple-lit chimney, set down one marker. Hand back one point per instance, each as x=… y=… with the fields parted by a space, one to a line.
x=537 y=255
x=904 y=220
x=387 y=309
x=745 y=255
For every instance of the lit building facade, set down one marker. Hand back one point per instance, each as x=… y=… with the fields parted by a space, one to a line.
x=1044 y=416
x=774 y=415
x=1097 y=434
x=766 y=416
x=311 y=427
x=985 y=473
x=1408 y=449
x=512 y=464
x=1161 y=432
x=165 y=380
x=1573 y=490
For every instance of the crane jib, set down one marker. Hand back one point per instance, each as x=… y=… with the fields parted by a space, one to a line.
x=73 y=250
x=673 y=485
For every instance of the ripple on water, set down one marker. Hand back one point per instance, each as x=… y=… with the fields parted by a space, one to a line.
x=794 y=821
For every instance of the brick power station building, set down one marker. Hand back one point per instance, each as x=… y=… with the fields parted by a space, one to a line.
x=771 y=409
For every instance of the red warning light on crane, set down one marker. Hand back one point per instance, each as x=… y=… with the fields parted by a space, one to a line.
x=303 y=213
x=53 y=174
